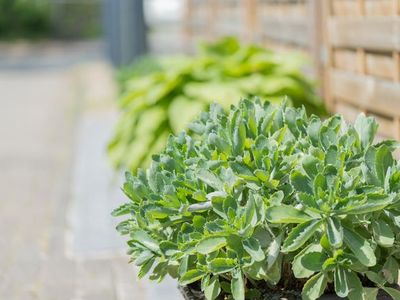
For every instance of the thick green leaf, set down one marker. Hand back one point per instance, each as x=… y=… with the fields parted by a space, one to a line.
x=383 y=160
x=370 y=204
x=237 y=286
x=252 y=246
x=124 y=209
x=213 y=288
x=286 y=214
x=300 y=182
x=377 y=278
x=273 y=250
x=146 y=267
x=314 y=287
x=383 y=233
x=313 y=261
x=191 y=276
x=334 y=232
x=300 y=235
x=341 y=282
x=310 y=166
x=211 y=244
x=146 y=240
x=210 y=179
x=356 y=289
x=143 y=257
x=367 y=294
x=168 y=248
x=391 y=270
x=239 y=137
x=301 y=270
x=257 y=270
x=222 y=265
x=360 y=247
x=366 y=128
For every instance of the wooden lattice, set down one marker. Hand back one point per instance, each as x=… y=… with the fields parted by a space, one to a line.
x=363 y=66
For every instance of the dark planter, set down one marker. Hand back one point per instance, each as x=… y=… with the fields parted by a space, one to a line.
x=190 y=294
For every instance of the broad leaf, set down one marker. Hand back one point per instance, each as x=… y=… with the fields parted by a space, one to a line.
x=210 y=244
x=341 y=282
x=301 y=270
x=191 y=276
x=273 y=250
x=391 y=270
x=369 y=204
x=146 y=240
x=210 y=179
x=366 y=128
x=310 y=166
x=300 y=182
x=314 y=287
x=286 y=214
x=252 y=246
x=213 y=288
x=237 y=286
x=360 y=247
x=383 y=233
x=334 y=232
x=222 y=265
x=300 y=234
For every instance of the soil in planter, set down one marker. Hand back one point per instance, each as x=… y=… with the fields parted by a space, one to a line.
x=193 y=292
x=288 y=288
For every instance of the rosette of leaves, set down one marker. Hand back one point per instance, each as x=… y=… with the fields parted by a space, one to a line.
x=263 y=199
x=161 y=96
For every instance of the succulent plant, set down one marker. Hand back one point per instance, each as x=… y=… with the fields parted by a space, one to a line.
x=264 y=198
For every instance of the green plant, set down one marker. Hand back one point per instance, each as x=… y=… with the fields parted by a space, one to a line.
x=264 y=199
x=24 y=18
x=161 y=96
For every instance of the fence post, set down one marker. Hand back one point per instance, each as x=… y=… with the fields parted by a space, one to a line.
x=316 y=40
x=125 y=30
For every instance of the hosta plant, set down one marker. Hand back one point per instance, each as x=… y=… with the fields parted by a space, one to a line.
x=263 y=200
x=161 y=96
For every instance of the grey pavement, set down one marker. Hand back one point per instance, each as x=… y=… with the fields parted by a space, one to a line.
x=57 y=239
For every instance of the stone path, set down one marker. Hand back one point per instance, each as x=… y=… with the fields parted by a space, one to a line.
x=57 y=239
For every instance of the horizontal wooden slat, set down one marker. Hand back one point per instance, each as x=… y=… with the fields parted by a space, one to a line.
x=292 y=31
x=369 y=93
x=230 y=27
x=287 y=10
x=379 y=8
x=370 y=33
x=344 y=7
x=345 y=59
x=379 y=65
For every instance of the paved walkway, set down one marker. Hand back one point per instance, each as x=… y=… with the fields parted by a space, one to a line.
x=57 y=239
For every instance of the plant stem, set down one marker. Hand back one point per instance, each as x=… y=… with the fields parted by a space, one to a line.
x=199 y=206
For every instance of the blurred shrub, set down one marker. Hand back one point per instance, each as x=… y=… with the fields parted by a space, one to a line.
x=24 y=18
x=161 y=96
x=76 y=19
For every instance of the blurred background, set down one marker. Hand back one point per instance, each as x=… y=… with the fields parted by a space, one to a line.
x=91 y=88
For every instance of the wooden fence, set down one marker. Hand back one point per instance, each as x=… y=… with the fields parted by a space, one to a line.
x=354 y=45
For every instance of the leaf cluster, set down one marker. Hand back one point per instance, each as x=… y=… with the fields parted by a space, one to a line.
x=263 y=196
x=162 y=96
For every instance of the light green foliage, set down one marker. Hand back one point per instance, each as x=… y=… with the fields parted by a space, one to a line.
x=162 y=96
x=265 y=193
